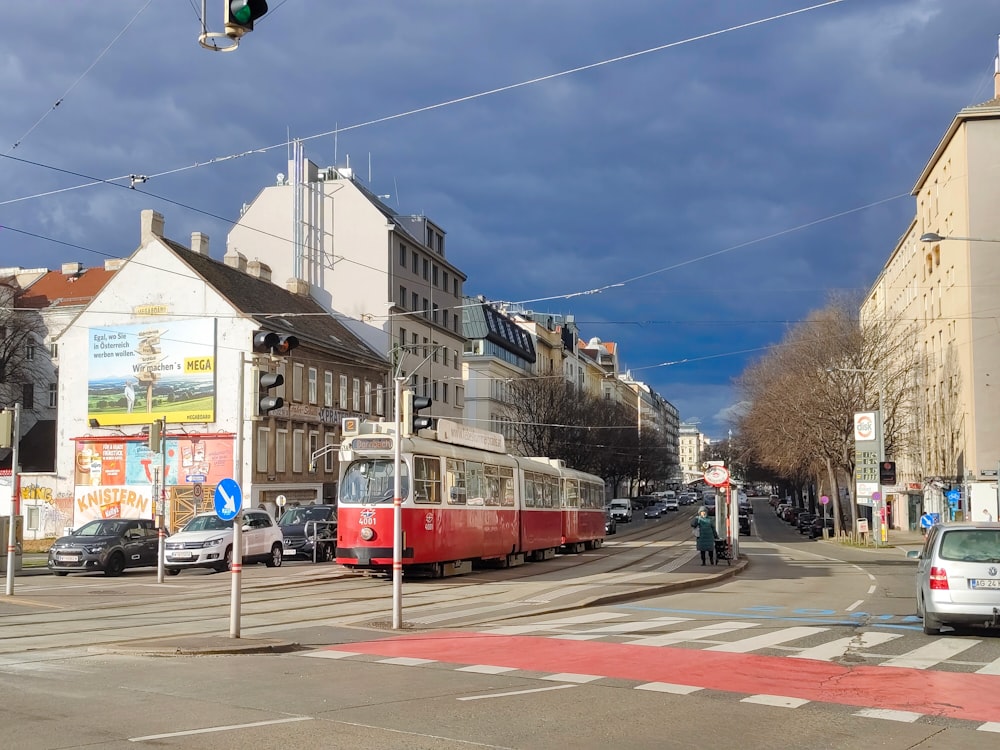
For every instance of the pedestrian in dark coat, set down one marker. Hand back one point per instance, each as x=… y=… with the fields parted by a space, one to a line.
x=705 y=535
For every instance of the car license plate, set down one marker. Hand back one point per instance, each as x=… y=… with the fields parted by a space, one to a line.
x=182 y=556
x=289 y=551
x=68 y=558
x=985 y=583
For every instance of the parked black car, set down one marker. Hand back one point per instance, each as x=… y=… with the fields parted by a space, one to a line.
x=107 y=544
x=804 y=520
x=818 y=524
x=308 y=527
x=744 y=523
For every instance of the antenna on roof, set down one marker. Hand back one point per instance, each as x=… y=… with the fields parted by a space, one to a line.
x=395 y=191
x=336 y=135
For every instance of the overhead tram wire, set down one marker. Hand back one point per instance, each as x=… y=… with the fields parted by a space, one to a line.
x=75 y=83
x=449 y=102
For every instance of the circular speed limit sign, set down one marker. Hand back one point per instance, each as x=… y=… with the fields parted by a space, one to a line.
x=716 y=475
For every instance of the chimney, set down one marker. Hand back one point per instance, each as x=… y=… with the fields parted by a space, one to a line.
x=151 y=226
x=72 y=269
x=114 y=264
x=199 y=243
x=261 y=270
x=298 y=286
x=236 y=260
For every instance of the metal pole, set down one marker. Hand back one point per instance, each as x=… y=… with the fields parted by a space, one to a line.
x=397 y=512
x=237 y=570
x=881 y=505
x=161 y=534
x=12 y=526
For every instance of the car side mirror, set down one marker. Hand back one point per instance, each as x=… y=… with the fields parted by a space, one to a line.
x=913 y=554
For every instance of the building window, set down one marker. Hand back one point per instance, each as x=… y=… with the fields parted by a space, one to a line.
x=368 y=397
x=29 y=351
x=280 y=450
x=298 y=371
x=298 y=436
x=402 y=255
x=425 y=310
x=434 y=274
x=416 y=302
x=444 y=392
x=444 y=318
x=28 y=396
x=313 y=385
x=283 y=372
x=402 y=296
x=54 y=350
x=328 y=389
x=416 y=263
x=434 y=312
x=454 y=287
x=380 y=401
x=343 y=391
x=313 y=445
x=444 y=280
x=402 y=337
x=356 y=395
x=32 y=517
x=53 y=395
x=262 y=449
x=427 y=266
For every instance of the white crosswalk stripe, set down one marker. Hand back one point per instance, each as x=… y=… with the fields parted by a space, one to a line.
x=837 y=648
x=933 y=653
x=694 y=634
x=766 y=640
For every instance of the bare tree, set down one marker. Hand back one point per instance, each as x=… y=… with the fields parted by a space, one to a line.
x=21 y=332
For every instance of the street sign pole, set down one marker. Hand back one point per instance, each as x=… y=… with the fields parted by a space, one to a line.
x=229 y=507
x=12 y=526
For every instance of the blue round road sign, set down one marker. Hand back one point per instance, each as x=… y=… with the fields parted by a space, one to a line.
x=953 y=495
x=228 y=499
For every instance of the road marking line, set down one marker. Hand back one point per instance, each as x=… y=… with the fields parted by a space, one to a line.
x=331 y=654
x=992 y=668
x=694 y=634
x=780 y=701
x=570 y=677
x=856 y=604
x=990 y=726
x=555 y=624
x=515 y=692
x=933 y=653
x=406 y=661
x=486 y=669
x=669 y=687
x=209 y=730
x=837 y=648
x=871 y=590
x=746 y=645
x=888 y=714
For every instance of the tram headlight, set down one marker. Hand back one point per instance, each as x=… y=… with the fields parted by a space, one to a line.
x=367 y=533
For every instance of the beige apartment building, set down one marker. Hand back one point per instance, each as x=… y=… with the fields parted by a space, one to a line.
x=942 y=285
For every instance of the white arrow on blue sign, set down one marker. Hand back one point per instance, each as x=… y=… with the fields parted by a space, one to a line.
x=228 y=499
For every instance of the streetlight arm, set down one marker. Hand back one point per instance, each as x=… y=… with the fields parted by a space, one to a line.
x=935 y=237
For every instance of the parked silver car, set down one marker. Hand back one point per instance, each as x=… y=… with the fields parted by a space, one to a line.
x=958 y=576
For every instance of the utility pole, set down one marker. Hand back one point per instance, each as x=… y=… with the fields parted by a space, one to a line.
x=12 y=526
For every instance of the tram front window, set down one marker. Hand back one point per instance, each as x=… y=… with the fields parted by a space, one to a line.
x=371 y=481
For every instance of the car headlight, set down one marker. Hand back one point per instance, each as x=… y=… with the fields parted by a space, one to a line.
x=214 y=542
x=95 y=548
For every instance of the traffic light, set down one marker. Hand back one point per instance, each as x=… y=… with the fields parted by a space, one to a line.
x=412 y=421
x=275 y=344
x=6 y=429
x=267 y=403
x=887 y=472
x=240 y=15
x=156 y=436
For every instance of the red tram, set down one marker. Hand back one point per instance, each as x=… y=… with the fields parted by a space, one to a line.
x=464 y=501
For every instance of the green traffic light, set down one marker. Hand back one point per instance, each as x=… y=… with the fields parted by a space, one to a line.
x=241 y=10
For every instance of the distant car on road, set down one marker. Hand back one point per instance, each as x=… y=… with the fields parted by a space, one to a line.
x=652 y=511
x=621 y=509
x=109 y=545
x=670 y=504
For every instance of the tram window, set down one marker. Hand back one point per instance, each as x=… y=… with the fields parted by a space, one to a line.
x=371 y=481
x=455 y=478
x=506 y=486
x=475 y=484
x=492 y=486
x=551 y=492
x=427 y=480
x=571 y=494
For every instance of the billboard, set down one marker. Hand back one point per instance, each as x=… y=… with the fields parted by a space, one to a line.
x=141 y=372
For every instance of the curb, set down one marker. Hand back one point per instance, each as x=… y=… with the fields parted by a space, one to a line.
x=198 y=646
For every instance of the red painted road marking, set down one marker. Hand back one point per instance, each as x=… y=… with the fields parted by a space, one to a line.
x=972 y=697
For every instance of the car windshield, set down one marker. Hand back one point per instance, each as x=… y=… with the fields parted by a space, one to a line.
x=298 y=516
x=101 y=528
x=371 y=481
x=207 y=523
x=971 y=545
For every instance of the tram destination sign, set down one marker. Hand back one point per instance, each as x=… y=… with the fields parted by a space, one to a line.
x=366 y=444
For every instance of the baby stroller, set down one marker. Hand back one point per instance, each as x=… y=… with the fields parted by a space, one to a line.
x=723 y=551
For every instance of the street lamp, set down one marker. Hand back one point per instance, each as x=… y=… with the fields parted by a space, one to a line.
x=935 y=237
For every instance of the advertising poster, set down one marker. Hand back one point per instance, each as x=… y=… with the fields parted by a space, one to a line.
x=141 y=372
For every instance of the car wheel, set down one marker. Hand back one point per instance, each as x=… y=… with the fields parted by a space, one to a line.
x=324 y=553
x=227 y=561
x=173 y=571
x=932 y=626
x=116 y=565
x=58 y=572
x=277 y=556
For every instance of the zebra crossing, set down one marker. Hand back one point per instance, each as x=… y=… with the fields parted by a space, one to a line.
x=907 y=649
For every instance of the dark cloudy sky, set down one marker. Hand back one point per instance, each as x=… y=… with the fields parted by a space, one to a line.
x=721 y=174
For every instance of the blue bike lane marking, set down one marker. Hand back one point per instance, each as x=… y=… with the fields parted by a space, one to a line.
x=814 y=616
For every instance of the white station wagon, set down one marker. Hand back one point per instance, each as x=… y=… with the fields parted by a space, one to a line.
x=207 y=542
